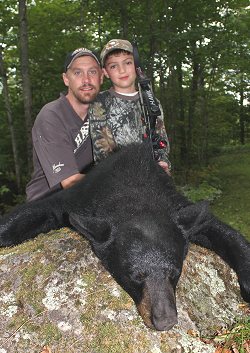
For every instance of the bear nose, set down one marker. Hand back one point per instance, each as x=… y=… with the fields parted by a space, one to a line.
x=163 y=323
x=163 y=308
x=157 y=306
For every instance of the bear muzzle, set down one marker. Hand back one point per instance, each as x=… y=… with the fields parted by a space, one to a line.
x=158 y=305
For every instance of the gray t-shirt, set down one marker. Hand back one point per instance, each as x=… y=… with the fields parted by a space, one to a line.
x=61 y=147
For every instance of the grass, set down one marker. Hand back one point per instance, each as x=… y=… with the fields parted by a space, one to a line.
x=232 y=207
x=235 y=340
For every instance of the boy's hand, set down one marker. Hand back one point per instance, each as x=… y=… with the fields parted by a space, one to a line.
x=165 y=167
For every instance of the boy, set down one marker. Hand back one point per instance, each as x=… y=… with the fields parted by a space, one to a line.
x=116 y=115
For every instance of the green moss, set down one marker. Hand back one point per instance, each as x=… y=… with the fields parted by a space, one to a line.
x=138 y=321
x=37 y=269
x=164 y=347
x=86 y=319
x=89 y=277
x=111 y=338
x=17 y=321
x=32 y=245
x=31 y=290
x=50 y=332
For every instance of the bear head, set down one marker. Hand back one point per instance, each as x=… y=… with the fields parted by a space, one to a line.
x=145 y=256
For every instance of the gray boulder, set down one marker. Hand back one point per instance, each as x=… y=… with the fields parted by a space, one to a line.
x=55 y=292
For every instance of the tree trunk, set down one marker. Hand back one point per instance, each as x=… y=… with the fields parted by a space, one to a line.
x=183 y=142
x=124 y=18
x=192 y=103
x=10 y=121
x=26 y=78
x=242 y=119
x=152 y=42
x=203 y=145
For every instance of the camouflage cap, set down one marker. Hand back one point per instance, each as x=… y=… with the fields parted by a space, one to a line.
x=76 y=54
x=114 y=44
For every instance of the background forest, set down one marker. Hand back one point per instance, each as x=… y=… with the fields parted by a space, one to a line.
x=196 y=53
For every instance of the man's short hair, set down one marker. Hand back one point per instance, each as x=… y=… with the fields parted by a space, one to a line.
x=76 y=54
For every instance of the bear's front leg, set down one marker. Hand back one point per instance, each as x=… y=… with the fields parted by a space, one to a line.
x=29 y=220
x=231 y=246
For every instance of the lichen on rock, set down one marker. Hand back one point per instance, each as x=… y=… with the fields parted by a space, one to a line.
x=55 y=292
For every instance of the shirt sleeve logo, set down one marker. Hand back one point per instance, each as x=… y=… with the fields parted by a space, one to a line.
x=57 y=168
x=82 y=136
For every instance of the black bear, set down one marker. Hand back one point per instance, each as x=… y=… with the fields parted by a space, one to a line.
x=138 y=225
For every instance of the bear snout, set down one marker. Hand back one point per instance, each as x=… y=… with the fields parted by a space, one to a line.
x=157 y=307
x=164 y=320
x=162 y=325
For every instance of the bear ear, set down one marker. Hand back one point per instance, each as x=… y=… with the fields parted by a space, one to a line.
x=95 y=229
x=193 y=218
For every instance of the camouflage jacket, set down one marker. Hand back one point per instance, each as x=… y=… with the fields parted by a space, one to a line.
x=116 y=120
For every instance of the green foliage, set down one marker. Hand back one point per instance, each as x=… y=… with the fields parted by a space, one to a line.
x=235 y=148
x=4 y=189
x=237 y=338
x=240 y=334
x=198 y=62
x=225 y=183
x=234 y=174
x=203 y=192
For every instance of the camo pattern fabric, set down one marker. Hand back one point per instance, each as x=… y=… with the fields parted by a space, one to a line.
x=116 y=120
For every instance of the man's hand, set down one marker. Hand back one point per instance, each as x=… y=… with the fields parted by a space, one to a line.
x=165 y=167
x=70 y=181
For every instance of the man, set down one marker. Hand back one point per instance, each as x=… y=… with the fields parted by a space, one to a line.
x=62 y=150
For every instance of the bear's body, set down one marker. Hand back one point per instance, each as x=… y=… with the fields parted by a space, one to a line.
x=138 y=225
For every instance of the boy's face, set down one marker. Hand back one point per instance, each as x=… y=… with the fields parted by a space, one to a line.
x=120 y=68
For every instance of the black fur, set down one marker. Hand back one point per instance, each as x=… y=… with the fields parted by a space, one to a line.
x=138 y=225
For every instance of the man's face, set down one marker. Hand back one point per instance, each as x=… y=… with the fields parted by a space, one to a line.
x=120 y=68
x=83 y=79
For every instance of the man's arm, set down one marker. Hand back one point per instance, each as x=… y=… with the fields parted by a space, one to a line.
x=54 y=150
x=70 y=181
